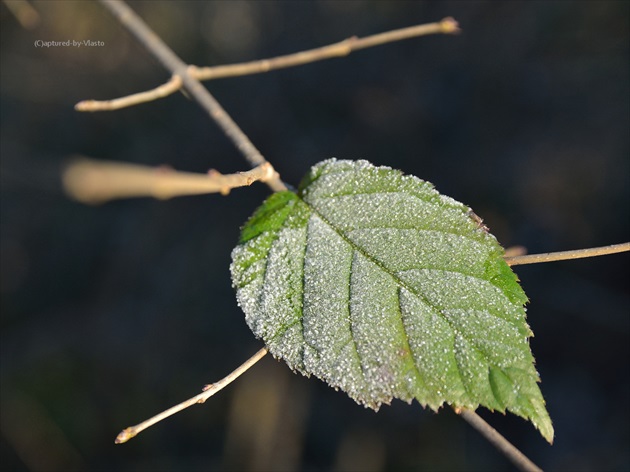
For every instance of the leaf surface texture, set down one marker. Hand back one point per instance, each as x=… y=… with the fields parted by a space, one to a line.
x=374 y=282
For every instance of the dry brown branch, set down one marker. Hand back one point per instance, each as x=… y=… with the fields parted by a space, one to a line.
x=93 y=182
x=164 y=90
x=565 y=255
x=158 y=48
x=497 y=440
x=208 y=390
x=510 y=451
x=340 y=49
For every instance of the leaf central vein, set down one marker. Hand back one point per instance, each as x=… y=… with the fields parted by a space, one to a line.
x=401 y=283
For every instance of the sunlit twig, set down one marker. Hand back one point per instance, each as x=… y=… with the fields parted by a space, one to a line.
x=158 y=48
x=340 y=49
x=164 y=90
x=208 y=390
x=92 y=181
x=497 y=440
x=565 y=255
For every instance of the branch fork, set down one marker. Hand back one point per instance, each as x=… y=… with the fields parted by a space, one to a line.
x=340 y=49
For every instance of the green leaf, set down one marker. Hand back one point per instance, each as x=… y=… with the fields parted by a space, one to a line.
x=374 y=282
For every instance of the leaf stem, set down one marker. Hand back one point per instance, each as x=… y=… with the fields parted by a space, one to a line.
x=340 y=49
x=565 y=255
x=208 y=391
x=154 y=44
x=519 y=459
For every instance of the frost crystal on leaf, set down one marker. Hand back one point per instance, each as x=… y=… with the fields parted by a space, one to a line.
x=374 y=282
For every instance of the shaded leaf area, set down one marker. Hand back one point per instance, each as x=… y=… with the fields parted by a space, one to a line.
x=374 y=282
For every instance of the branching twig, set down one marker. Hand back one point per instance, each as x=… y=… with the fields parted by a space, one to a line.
x=188 y=77
x=564 y=255
x=493 y=436
x=340 y=49
x=208 y=390
x=128 y=18
x=497 y=440
x=91 y=181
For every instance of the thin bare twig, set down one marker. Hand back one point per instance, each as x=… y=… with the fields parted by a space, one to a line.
x=130 y=20
x=565 y=255
x=340 y=49
x=92 y=181
x=208 y=390
x=519 y=459
x=164 y=90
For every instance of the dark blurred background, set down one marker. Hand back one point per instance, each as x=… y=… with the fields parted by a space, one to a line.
x=111 y=314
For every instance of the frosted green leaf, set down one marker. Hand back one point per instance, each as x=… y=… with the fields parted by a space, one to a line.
x=375 y=283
